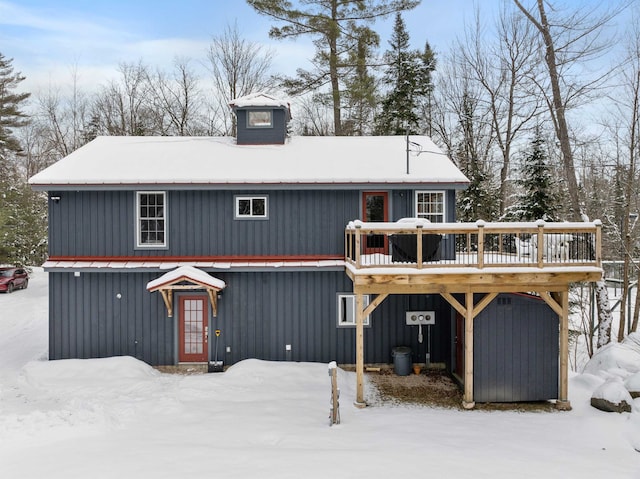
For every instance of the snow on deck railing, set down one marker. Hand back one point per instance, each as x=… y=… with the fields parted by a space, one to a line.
x=415 y=242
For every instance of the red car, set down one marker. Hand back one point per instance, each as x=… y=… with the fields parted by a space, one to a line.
x=13 y=278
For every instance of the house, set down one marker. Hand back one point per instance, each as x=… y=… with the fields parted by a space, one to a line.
x=189 y=250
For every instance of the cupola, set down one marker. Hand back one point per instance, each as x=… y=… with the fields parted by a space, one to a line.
x=261 y=119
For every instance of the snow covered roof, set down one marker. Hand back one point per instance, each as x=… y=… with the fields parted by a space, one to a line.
x=258 y=100
x=186 y=273
x=179 y=162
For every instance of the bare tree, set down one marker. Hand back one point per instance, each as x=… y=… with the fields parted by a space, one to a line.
x=504 y=70
x=238 y=68
x=122 y=107
x=628 y=107
x=314 y=115
x=176 y=99
x=570 y=42
x=462 y=122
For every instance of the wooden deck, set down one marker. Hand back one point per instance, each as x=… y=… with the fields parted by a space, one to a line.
x=417 y=257
x=480 y=257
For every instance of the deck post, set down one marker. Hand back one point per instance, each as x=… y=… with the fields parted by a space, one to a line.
x=563 y=400
x=359 y=402
x=467 y=401
x=358 y=241
x=540 y=245
x=480 y=225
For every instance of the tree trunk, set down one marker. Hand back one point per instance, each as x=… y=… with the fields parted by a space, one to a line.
x=605 y=318
x=562 y=130
x=333 y=69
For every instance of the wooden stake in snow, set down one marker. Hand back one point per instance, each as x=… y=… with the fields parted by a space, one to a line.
x=334 y=411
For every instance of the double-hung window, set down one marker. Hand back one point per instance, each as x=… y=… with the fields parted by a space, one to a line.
x=151 y=219
x=347 y=309
x=430 y=205
x=251 y=207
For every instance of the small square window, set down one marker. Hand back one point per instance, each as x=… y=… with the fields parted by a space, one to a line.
x=251 y=207
x=259 y=119
x=347 y=310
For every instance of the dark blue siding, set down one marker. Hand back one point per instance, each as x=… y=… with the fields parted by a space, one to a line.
x=516 y=350
x=88 y=320
x=261 y=136
x=202 y=223
x=258 y=315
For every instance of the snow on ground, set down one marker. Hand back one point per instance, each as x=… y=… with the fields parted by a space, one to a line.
x=120 y=418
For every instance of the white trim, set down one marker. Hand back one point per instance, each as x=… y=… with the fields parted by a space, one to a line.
x=251 y=198
x=139 y=243
x=428 y=215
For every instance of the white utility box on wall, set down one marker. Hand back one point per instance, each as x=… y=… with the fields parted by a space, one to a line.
x=420 y=317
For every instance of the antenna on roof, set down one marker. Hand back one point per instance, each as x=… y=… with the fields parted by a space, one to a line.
x=407 y=152
x=412 y=143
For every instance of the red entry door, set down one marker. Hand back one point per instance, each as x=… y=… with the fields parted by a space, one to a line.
x=193 y=329
x=375 y=208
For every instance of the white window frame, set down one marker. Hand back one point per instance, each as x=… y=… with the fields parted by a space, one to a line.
x=429 y=216
x=251 y=215
x=348 y=300
x=256 y=122
x=139 y=219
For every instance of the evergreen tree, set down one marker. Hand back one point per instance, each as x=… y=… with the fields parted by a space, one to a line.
x=23 y=224
x=479 y=201
x=408 y=77
x=538 y=199
x=11 y=115
x=360 y=86
x=336 y=26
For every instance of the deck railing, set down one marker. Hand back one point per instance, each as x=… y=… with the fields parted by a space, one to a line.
x=416 y=243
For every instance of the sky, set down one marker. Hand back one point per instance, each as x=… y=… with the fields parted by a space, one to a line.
x=49 y=40
x=118 y=417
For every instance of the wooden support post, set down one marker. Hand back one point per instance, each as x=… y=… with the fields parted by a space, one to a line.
x=359 y=350
x=598 y=245
x=480 y=245
x=167 y=296
x=563 y=400
x=213 y=297
x=358 y=241
x=419 y=257
x=467 y=401
x=540 y=246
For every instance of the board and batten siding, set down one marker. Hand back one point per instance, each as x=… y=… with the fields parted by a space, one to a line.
x=516 y=351
x=259 y=314
x=203 y=223
x=274 y=135
x=88 y=320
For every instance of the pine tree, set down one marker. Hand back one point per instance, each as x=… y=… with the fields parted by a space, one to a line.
x=23 y=223
x=11 y=115
x=336 y=26
x=538 y=199
x=408 y=77
x=479 y=201
x=360 y=87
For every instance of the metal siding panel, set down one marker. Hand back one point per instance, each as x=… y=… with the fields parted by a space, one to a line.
x=511 y=352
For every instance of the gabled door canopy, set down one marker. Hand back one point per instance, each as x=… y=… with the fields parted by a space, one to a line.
x=186 y=278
